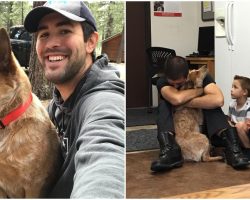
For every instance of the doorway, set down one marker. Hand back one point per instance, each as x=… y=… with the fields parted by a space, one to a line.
x=138 y=39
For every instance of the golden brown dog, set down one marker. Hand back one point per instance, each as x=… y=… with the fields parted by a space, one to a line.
x=29 y=146
x=194 y=145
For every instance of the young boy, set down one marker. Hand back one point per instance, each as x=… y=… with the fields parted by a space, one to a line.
x=239 y=108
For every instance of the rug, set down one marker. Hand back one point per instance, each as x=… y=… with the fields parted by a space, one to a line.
x=143 y=139
x=140 y=117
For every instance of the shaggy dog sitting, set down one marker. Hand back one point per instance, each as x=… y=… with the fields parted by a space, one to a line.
x=194 y=145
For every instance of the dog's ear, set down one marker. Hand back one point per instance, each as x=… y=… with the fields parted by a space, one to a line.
x=6 y=60
x=203 y=71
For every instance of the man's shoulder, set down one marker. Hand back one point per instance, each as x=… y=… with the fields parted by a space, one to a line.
x=99 y=105
x=161 y=82
x=104 y=71
x=100 y=99
x=207 y=80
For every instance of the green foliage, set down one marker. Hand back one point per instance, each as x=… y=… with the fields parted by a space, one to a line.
x=19 y=10
x=109 y=17
x=103 y=11
x=13 y=12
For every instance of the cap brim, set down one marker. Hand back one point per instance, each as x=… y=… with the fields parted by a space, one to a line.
x=33 y=18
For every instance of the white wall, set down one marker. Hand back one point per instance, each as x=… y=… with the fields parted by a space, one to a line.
x=178 y=33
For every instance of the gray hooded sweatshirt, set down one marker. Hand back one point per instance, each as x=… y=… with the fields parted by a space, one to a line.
x=91 y=127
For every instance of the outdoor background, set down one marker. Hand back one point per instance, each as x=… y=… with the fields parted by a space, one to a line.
x=109 y=17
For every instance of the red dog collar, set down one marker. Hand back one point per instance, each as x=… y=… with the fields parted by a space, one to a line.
x=13 y=115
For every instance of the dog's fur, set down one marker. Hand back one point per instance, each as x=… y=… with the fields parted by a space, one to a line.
x=29 y=146
x=194 y=145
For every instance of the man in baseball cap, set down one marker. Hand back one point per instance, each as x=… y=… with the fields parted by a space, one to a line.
x=88 y=101
x=73 y=10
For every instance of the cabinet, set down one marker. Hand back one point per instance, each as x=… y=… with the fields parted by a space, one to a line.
x=208 y=61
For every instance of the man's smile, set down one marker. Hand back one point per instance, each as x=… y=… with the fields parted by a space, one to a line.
x=55 y=61
x=56 y=58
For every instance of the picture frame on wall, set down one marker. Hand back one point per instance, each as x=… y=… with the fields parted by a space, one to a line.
x=207 y=11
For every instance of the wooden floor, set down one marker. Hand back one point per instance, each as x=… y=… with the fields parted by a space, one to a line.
x=190 y=178
x=233 y=192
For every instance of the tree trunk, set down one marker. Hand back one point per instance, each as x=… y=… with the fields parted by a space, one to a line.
x=40 y=86
x=10 y=22
x=109 y=24
x=120 y=52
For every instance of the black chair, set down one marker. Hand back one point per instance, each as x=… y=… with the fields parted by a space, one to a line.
x=157 y=57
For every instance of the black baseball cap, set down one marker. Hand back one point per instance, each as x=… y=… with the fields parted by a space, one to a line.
x=73 y=10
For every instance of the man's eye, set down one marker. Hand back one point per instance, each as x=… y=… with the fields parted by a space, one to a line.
x=65 y=32
x=43 y=35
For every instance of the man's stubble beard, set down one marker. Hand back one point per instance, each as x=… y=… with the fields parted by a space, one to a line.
x=69 y=72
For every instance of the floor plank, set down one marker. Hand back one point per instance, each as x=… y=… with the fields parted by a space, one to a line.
x=191 y=177
x=233 y=192
x=133 y=128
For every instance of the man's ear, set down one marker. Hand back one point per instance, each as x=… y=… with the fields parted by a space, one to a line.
x=92 y=42
x=245 y=92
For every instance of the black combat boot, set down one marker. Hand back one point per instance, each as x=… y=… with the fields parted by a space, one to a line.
x=170 y=153
x=233 y=152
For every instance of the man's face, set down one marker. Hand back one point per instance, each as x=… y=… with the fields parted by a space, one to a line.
x=60 y=48
x=177 y=83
